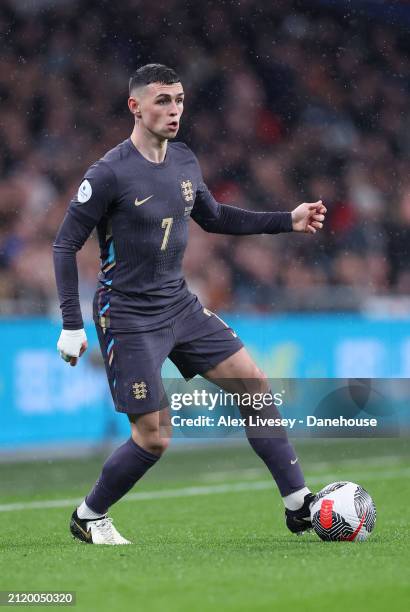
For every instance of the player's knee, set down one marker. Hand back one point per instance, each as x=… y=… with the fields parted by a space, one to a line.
x=152 y=432
x=157 y=446
x=257 y=382
x=264 y=382
x=153 y=441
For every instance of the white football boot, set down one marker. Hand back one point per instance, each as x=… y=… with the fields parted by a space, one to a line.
x=96 y=531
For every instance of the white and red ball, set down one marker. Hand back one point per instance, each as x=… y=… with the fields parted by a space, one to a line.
x=343 y=511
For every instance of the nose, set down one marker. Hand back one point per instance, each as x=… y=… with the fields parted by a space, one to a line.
x=174 y=110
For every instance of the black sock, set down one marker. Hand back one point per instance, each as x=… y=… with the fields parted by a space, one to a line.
x=275 y=450
x=120 y=472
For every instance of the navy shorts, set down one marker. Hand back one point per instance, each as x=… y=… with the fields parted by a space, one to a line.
x=196 y=340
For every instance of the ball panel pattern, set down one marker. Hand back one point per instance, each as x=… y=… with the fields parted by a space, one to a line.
x=340 y=529
x=329 y=489
x=365 y=507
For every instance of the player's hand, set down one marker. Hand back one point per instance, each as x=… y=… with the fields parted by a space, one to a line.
x=71 y=344
x=309 y=217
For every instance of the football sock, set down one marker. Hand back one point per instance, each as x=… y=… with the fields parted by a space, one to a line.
x=120 y=472
x=277 y=453
x=84 y=512
x=295 y=501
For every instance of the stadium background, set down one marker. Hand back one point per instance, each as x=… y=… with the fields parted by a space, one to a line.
x=287 y=101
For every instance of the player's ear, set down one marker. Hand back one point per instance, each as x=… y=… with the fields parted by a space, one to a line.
x=134 y=106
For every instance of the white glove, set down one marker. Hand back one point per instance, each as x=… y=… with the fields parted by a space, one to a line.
x=70 y=342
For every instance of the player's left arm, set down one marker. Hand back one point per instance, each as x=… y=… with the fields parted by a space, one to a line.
x=219 y=218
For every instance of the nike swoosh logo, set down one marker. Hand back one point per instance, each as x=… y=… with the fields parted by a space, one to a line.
x=139 y=202
x=294 y=461
x=87 y=534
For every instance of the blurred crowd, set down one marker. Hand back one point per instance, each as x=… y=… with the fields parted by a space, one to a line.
x=285 y=102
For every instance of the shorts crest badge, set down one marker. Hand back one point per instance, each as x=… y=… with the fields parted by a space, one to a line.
x=139 y=390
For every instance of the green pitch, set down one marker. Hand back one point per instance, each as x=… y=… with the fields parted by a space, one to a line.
x=209 y=534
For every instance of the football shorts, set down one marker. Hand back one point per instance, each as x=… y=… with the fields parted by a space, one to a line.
x=196 y=340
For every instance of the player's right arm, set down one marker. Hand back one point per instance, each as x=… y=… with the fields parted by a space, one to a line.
x=95 y=194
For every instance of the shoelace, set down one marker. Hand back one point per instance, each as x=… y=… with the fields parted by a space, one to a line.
x=106 y=529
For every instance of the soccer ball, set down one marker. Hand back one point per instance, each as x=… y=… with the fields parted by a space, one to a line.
x=343 y=511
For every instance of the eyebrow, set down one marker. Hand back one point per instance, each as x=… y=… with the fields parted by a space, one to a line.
x=167 y=95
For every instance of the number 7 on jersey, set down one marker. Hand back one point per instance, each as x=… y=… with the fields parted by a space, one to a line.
x=166 y=225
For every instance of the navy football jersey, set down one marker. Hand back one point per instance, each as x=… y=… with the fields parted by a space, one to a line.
x=141 y=210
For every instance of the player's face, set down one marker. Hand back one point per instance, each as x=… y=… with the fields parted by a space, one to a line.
x=161 y=107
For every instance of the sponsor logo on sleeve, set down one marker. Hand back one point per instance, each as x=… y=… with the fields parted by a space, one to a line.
x=84 y=192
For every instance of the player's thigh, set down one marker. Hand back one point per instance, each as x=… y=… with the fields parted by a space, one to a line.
x=133 y=362
x=238 y=374
x=203 y=340
x=152 y=430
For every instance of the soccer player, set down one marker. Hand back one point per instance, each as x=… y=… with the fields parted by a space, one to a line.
x=141 y=195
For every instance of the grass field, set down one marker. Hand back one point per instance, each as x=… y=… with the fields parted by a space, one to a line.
x=209 y=534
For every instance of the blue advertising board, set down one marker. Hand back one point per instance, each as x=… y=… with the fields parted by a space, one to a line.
x=45 y=401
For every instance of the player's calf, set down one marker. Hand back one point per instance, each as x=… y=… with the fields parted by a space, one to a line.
x=240 y=374
x=120 y=472
x=127 y=464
